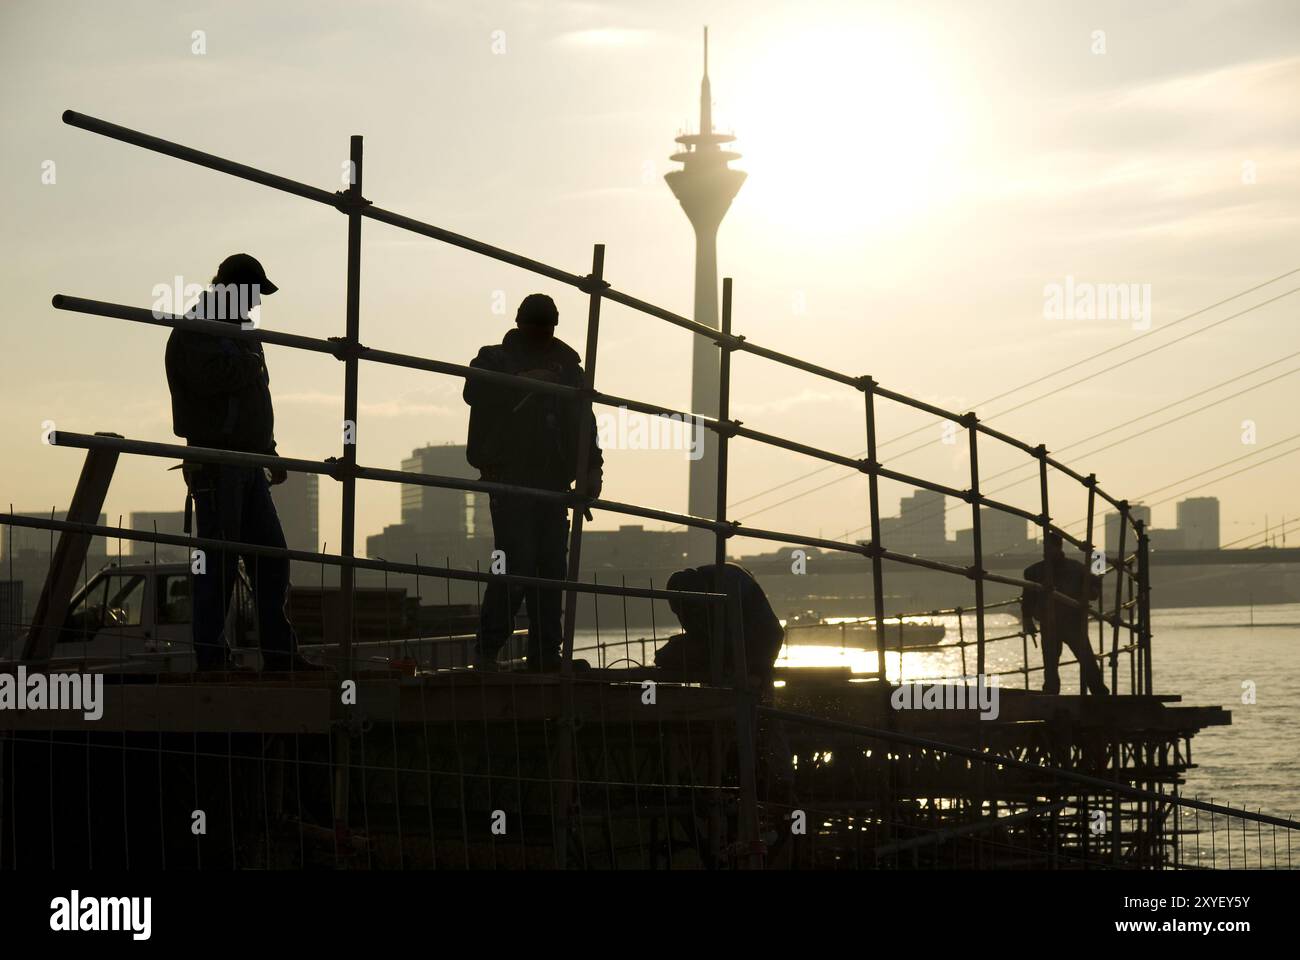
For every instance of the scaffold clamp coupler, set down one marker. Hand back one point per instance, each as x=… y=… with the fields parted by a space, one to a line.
x=344 y=349
x=345 y=201
x=339 y=469
x=592 y=284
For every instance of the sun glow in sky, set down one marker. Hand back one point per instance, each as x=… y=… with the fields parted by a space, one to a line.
x=845 y=126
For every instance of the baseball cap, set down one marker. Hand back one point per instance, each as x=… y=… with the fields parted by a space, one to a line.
x=242 y=268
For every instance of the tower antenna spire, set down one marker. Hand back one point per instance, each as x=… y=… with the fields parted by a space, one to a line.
x=706 y=93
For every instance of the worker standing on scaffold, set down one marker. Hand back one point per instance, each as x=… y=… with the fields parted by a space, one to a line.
x=221 y=398
x=1066 y=624
x=528 y=439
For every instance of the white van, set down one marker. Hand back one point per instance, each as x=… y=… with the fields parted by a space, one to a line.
x=139 y=618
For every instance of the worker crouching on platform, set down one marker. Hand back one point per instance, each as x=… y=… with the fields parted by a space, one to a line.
x=688 y=655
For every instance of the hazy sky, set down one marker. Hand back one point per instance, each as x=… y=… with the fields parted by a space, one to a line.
x=919 y=173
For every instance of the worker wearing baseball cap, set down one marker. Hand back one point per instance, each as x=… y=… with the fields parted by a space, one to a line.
x=221 y=398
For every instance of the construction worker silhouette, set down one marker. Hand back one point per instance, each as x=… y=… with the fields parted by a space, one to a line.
x=528 y=439
x=221 y=398
x=688 y=655
x=1063 y=623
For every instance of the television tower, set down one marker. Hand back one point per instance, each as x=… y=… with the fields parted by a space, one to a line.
x=705 y=187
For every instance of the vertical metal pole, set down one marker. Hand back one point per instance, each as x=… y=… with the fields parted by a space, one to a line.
x=343 y=738
x=1144 y=605
x=1121 y=573
x=724 y=412
x=1049 y=579
x=977 y=542
x=584 y=446
x=873 y=506
x=350 y=365
x=751 y=855
x=1085 y=584
x=564 y=753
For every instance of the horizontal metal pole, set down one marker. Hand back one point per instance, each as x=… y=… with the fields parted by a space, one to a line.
x=474 y=246
x=1008 y=508
x=335 y=348
x=928 y=564
x=795 y=447
x=148 y=448
x=757 y=533
x=212 y=162
x=930 y=408
x=338 y=560
x=743 y=345
x=887 y=474
x=995 y=434
x=999 y=760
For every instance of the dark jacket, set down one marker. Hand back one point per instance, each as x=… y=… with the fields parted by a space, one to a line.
x=521 y=436
x=688 y=653
x=221 y=392
x=1069 y=577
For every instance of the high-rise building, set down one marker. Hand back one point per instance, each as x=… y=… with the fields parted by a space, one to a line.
x=705 y=187
x=1198 y=519
x=1138 y=512
x=920 y=527
x=297 y=502
x=439 y=511
x=1003 y=533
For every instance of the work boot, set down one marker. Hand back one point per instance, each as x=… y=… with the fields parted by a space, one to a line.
x=555 y=663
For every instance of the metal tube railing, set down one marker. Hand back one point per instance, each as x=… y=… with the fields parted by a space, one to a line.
x=350 y=350
x=342 y=201
x=353 y=203
x=342 y=561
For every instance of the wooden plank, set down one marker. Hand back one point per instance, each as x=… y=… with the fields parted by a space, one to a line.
x=69 y=554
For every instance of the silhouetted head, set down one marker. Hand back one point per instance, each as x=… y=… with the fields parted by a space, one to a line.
x=537 y=317
x=239 y=285
x=692 y=613
x=1054 y=545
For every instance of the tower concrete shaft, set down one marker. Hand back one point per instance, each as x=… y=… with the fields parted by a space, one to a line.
x=705 y=187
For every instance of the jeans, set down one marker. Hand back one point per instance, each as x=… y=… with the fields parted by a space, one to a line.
x=234 y=503
x=1077 y=640
x=533 y=535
